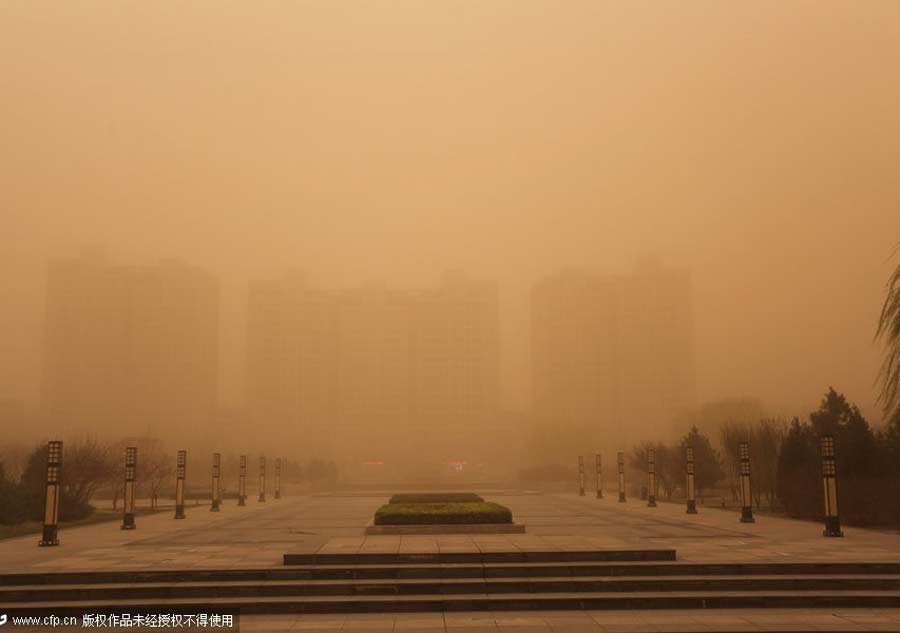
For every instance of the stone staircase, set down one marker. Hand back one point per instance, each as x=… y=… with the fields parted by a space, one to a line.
x=457 y=581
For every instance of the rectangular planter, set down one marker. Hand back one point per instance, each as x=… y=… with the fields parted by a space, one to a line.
x=437 y=528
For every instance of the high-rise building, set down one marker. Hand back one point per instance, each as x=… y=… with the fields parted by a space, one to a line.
x=291 y=362
x=370 y=373
x=612 y=353
x=130 y=349
x=456 y=363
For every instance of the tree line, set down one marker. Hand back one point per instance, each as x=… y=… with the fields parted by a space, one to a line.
x=93 y=470
x=785 y=463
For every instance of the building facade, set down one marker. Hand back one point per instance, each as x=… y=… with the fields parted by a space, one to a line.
x=369 y=373
x=612 y=354
x=130 y=349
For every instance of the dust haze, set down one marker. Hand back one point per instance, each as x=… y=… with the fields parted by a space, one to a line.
x=390 y=156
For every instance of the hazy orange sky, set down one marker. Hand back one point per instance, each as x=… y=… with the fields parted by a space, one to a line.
x=756 y=143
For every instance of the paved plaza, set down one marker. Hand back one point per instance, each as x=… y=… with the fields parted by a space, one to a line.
x=259 y=534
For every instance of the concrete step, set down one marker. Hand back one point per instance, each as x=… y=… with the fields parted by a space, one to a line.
x=522 y=556
x=91 y=593
x=470 y=602
x=448 y=570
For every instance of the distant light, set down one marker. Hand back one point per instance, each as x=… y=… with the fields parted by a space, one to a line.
x=373 y=463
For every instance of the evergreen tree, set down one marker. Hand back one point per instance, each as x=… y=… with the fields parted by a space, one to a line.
x=866 y=471
x=798 y=482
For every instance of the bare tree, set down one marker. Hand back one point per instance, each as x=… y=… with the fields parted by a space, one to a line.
x=766 y=439
x=87 y=467
x=155 y=468
x=731 y=434
x=669 y=465
x=14 y=456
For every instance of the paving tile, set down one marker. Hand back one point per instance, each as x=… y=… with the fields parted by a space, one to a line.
x=457 y=621
x=534 y=619
x=576 y=626
x=615 y=617
x=281 y=623
x=405 y=625
x=634 y=627
x=311 y=623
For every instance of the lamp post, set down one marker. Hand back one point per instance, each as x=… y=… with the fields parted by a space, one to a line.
x=746 y=500
x=581 y=475
x=620 y=459
x=242 y=482
x=599 y=477
x=180 y=468
x=691 y=491
x=51 y=494
x=278 y=478
x=216 y=474
x=262 y=480
x=829 y=480
x=651 y=478
x=130 y=469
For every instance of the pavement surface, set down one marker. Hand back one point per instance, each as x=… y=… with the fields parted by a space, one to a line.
x=257 y=535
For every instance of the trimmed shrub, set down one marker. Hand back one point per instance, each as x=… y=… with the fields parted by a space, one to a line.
x=436 y=497
x=442 y=513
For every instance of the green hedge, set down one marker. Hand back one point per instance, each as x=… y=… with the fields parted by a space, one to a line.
x=436 y=497
x=441 y=513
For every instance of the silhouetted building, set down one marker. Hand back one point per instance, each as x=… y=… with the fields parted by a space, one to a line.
x=612 y=353
x=291 y=361
x=129 y=349
x=369 y=373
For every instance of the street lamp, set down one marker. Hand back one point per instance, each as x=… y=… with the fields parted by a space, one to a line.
x=691 y=492
x=651 y=478
x=581 y=475
x=599 y=477
x=746 y=499
x=829 y=477
x=278 y=478
x=262 y=479
x=216 y=473
x=242 y=482
x=180 y=468
x=51 y=494
x=620 y=459
x=130 y=470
